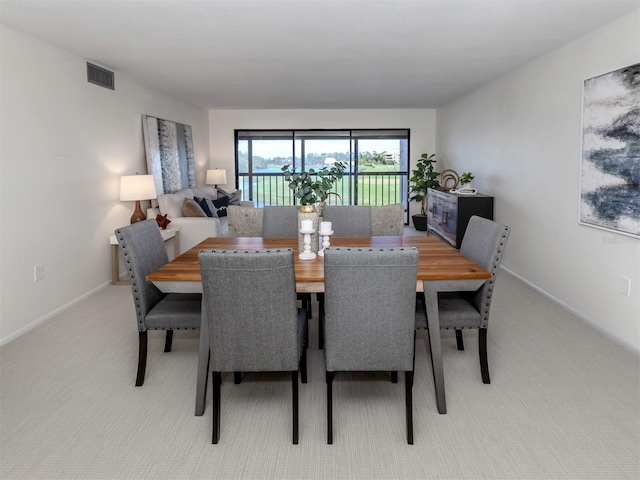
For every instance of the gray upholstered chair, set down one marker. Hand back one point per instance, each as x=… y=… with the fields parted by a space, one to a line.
x=370 y=316
x=254 y=324
x=348 y=220
x=143 y=251
x=282 y=222
x=484 y=242
x=387 y=220
x=244 y=221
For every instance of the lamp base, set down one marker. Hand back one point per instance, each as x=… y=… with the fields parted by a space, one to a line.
x=138 y=214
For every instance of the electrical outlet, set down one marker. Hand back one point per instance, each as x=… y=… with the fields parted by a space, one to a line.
x=38 y=273
x=624 y=286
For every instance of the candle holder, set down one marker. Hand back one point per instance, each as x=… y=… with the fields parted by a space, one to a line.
x=307 y=254
x=325 y=241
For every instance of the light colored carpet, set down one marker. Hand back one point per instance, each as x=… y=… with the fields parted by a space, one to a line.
x=564 y=403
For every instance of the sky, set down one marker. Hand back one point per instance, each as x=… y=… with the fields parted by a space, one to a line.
x=282 y=148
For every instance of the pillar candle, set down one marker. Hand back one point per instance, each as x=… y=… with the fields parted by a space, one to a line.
x=325 y=228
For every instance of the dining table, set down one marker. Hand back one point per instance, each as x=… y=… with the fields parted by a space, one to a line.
x=441 y=268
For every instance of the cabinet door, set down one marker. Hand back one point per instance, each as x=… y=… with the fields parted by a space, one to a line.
x=480 y=205
x=443 y=215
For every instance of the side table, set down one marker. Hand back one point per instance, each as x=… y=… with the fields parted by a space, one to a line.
x=168 y=234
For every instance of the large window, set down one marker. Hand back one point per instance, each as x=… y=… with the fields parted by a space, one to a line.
x=377 y=164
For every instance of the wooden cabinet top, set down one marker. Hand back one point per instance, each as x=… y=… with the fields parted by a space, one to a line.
x=447 y=192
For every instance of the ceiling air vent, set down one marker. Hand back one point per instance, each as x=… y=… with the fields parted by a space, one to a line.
x=100 y=76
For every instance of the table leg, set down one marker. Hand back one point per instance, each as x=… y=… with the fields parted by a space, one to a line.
x=203 y=364
x=433 y=322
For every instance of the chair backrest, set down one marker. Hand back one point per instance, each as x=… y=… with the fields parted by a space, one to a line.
x=348 y=220
x=244 y=221
x=250 y=303
x=280 y=221
x=387 y=220
x=484 y=242
x=370 y=308
x=143 y=251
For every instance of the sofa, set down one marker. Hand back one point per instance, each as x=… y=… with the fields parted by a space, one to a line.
x=194 y=229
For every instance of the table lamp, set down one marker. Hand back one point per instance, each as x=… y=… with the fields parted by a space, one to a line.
x=217 y=176
x=136 y=188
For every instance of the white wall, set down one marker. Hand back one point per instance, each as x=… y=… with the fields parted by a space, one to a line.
x=520 y=136
x=64 y=145
x=223 y=122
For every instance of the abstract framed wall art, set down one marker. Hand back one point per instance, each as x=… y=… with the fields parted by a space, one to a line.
x=169 y=151
x=610 y=163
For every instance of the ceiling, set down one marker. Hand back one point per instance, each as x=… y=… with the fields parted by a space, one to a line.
x=265 y=54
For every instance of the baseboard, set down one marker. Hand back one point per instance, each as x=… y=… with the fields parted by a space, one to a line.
x=632 y=348
x=619 y=341
x=50 y=315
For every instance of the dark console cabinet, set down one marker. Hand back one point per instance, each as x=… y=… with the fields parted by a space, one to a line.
x=448 y=213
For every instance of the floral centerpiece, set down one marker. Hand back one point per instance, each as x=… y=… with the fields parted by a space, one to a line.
x=313 y=187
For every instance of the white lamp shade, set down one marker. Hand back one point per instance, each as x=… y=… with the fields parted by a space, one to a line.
x=137 y=187
x=217 y=176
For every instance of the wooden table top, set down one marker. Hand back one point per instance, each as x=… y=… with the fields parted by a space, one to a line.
x=438 y=260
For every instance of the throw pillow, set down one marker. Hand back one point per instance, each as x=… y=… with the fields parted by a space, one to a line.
x=221 y=205
x=205 y=192
x=162 y=221
x=171 y=203
x=234 y=197
x=191 y=209
x=207 y=206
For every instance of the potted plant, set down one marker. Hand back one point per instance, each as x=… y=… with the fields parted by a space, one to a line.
x=423 y=177
x=313 y=187
x=465 y=179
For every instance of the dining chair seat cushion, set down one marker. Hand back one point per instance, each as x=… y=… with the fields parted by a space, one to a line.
x=176 y=311
x=457 y=311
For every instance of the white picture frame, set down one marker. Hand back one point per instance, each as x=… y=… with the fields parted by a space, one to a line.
x=610 y=153
x=169 y=152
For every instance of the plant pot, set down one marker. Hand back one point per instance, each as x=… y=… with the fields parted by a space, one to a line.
x=307 y=208
x=420 y=222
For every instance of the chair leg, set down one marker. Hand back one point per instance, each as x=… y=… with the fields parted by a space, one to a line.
x=237 y=378
x=309 y=307
x=482 y=348
x=459 y=340
x=295 y=403
x=320 y=321
x=329 y=379
x=408 y=385
x=303 y=365
x=305 y=302
x=216 y=379
x=142 y=357
x=394 y=376
x=168 y=341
